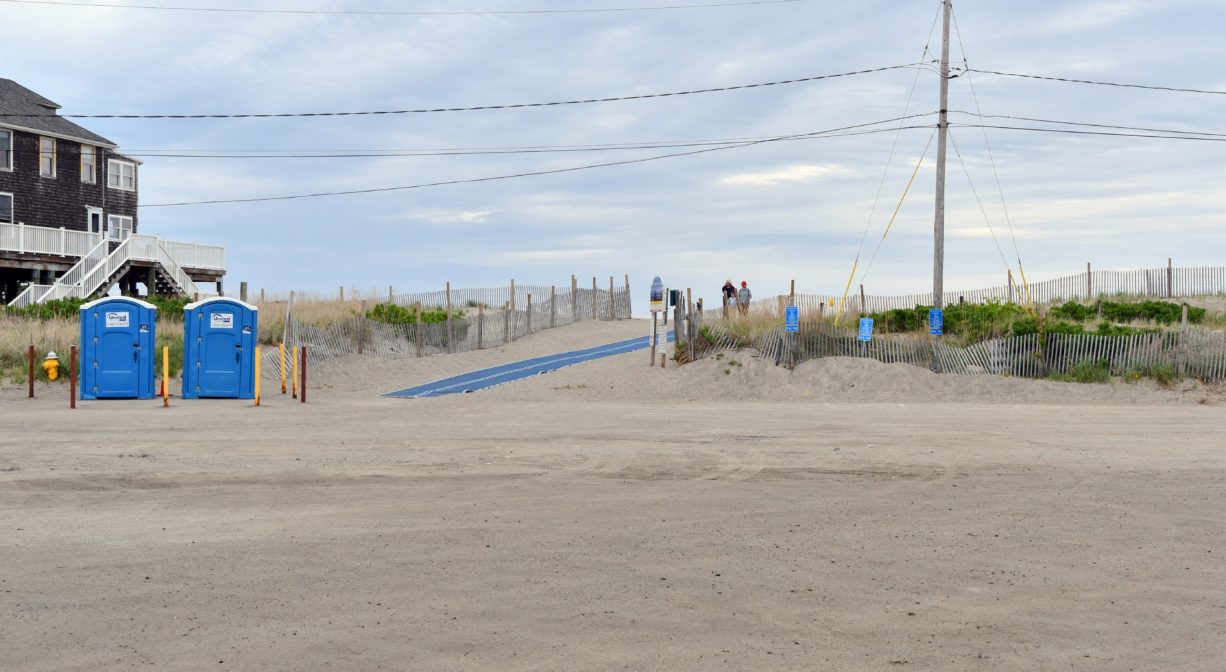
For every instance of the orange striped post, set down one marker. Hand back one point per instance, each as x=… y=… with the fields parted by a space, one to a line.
x=282 y=368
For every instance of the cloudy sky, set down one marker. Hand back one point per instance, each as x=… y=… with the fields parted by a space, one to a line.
x=766 y=212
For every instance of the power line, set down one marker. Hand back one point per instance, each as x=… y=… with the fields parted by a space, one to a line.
x=1097 y=83
x=588 y=101
x=1092 y=125
x=834 y=132
x=1071 y=131
x=227 y=10
x=480 y=151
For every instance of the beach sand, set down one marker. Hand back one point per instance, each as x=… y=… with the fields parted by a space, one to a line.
x=614 y=515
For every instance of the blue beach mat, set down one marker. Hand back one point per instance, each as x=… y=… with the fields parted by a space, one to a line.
x=506 y=373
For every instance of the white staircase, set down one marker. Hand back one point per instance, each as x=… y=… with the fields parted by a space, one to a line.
x=101 y=267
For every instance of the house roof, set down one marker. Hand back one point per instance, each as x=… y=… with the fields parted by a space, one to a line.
x=22 y=109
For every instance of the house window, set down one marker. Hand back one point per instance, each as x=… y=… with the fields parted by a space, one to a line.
x=46 y=156
x=121 y=175
x=93 y=219
x=119 y=227
x=89 y=164
x=6 y=150
x=6 y=208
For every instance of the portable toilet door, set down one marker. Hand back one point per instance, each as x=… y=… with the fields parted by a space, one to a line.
x=220 y=335
x=118 y=339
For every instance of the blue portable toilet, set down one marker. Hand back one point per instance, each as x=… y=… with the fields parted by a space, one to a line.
x=118 y=349
x=219 y=339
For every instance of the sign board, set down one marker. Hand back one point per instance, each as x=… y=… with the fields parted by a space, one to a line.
x=792 y=319
x=116 y=319
x=221 y=321
x=936 y=322
x=657 y=295
x=866 y=329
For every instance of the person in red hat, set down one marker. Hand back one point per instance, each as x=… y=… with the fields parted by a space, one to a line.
x=743 y=298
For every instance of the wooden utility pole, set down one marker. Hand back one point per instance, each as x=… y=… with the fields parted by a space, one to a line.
x=938 y=261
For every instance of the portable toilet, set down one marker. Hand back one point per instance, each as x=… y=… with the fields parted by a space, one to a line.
x=118 y=349
x=219 y=339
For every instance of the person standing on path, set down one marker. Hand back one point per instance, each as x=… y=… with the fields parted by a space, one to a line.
x=743 y=298
x=729 y=292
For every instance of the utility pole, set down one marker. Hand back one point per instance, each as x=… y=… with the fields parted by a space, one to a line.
x=938 y=258
x=938 y=241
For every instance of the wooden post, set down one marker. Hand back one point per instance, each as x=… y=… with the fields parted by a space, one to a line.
x=480 y=323
x=594 y=295
x=689 y=324
x=529 y=313
x=1170 y=277
x=553 y=307
x=31 y=377
x=72 y=379
x=1009 y=282
x=1183 y=345
x=629 y=303
x=574 y=298
x=302 y=396
x=242 y=291
x=667 y=295
x=391 y=294
x=821 y=311
x=506 y=319
x=362 y=330
x=792 y=292
x=512 y=316
x=863 y=308
x=1089 y=282
x=342 y=293
x=678 y=336
x=450 y=345
x=288 y=313
x=611 y=301
x=261 y=295
x=417 y=329
x=655 y=338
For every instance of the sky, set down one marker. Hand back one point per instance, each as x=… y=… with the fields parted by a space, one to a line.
x=767 y=213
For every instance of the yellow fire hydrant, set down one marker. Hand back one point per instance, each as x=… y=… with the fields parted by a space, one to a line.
x=52 y=365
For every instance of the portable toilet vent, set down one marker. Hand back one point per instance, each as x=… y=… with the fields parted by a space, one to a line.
x=117 y=349
x=219 y=339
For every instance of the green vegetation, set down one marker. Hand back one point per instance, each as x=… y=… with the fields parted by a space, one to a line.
x=391 y=313
x=1162 y=312
x=1087 y=371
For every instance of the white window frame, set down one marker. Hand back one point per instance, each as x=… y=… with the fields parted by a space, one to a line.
x=115 y=224
x=12 y=207
x=6 y=163
x=117 y=183
x=90 y=211
x=42 y=154
x=90 y=176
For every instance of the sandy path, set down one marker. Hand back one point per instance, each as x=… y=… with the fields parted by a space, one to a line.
x=545 y=526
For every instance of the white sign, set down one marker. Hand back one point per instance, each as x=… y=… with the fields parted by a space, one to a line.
x=116 y=320
x=221 y=321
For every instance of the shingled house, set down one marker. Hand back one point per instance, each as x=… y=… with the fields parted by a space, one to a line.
x=68 y=214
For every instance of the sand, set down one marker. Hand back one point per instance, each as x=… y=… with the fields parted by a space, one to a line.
x=616 y=516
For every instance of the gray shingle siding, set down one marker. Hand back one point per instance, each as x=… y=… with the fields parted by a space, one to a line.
x=61 y=201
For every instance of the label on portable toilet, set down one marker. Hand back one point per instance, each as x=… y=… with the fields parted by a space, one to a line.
x=221 y=321
x=247 y=329
x=144 y=328
x=119 y=319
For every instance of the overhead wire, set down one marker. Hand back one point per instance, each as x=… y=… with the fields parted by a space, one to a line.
x=1071 y=131
x=1071 y=80
x=835 y=132
x=246 y=10
x=1092 y=124
x=473 y=108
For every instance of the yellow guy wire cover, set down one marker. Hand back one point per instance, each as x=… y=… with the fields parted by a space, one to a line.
x=889 y=224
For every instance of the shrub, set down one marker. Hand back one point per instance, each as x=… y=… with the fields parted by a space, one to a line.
x=392 y=313
x=1091 y=371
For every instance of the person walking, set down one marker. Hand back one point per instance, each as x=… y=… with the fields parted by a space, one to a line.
x=729 y=292
x=743 y=298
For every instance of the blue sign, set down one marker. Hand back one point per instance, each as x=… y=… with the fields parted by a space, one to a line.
x=936 y=322
x=866 y=329
x=792 y=319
